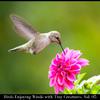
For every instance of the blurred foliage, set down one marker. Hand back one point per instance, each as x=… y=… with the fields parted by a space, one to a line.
x=79 y=24
x=90 y=86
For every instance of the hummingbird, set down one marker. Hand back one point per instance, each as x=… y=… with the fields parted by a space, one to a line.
x=36 y=41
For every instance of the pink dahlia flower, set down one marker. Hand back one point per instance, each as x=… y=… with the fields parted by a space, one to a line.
x=64 y=68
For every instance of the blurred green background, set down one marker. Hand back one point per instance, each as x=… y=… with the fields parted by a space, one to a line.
x=79 y=24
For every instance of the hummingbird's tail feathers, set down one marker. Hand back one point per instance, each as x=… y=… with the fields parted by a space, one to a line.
x=16 y=49
x=24 y=47
x=11 y=50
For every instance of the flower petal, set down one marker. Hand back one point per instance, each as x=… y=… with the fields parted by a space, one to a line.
x=54 y=61
x=73 y=61
x=56 y=89
x=53 y=67
x=71 y=76
x=66 y=50
x=58 y=57
x=61 y=88
x=83 y=62
x=52 y=82
x=68 y=54
x=68 y=84
x=52 y=73
x=76 y=54
x=60 y=80
x=63 y=73
x=75 y=69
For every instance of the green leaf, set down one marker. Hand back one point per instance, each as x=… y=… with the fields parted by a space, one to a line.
x=79 y=78
x=98 y=92
x=80 y=91
x=94 y=80
x=95 y=89
x=67 y=91
x=90 y=86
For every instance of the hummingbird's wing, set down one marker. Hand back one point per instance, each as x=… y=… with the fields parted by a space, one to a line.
x=23 y=28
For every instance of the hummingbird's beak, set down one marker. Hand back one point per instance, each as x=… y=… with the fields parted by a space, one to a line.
x=60 y=45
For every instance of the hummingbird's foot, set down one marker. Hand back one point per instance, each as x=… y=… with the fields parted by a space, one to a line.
x=34 y=53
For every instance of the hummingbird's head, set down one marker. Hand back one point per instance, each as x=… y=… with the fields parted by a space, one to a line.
x=55 y=37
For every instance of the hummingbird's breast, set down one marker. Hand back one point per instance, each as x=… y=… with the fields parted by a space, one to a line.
x=41 y=42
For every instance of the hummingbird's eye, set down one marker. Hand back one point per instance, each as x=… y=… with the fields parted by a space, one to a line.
x=57 y=38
